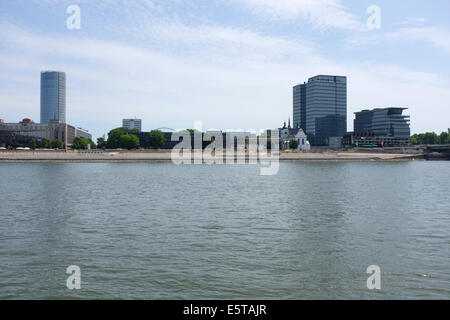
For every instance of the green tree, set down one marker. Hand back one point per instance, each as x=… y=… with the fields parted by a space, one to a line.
x=414 y=139
x=114 y=135
x=266 y=135
x=92 y=143
x=45 y=143
x=431 y=138
x=33 y=143
x=157 y=139
x=443 y=137
x=80 y=143
x=113 y=141
x=129 y=141
x=56 y=144
x=293 y=144
x=101 y=143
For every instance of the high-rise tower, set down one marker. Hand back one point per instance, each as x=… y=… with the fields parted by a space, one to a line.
x=53 y=96
x=320 y=107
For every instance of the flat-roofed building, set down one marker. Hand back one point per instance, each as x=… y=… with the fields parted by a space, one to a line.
x=299 y=106
x=20 y=134
x=79 y=132
x=383 y=122
x=132 y=124
x=320 y=107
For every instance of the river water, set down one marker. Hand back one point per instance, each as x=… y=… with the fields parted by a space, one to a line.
x=161 y=231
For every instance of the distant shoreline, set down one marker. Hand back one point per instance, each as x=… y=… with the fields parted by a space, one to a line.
x=165 y=156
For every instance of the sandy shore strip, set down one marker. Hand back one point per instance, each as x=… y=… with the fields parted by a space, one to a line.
x=151 y=155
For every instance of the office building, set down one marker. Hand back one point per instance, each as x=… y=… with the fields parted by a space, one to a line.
x=20 y=134
x=299 y=103
x=53 y=96
x=383 y=122
x=53 y=124
x=81 y=133
x=132 y=124
x=320 y=107
x=381 y=127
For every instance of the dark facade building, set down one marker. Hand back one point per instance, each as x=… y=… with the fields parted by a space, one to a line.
x=328 y=127
x=369 y=140
x=144 y=139
x=381 y=127
x=383 y=122
x=299 y=103
x=320 y=107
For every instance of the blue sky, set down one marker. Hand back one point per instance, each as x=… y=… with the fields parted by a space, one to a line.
x=229 y=63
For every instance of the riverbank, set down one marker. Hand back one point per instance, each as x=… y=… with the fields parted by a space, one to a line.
x=164 y=155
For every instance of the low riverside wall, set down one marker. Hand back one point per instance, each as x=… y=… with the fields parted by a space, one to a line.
x=165 y=155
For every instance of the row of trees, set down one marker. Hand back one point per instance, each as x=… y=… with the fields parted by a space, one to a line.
x=431 y=138
x=82 y=143
x=128 y=139
x=123 y=138
x=54 y=144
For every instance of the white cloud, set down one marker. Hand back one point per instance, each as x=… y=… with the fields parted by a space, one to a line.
x=320 y=13
x=436 y=36
x=413 y=21
x=226 y=77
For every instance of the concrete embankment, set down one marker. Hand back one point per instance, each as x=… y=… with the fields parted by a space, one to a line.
x=151 y=155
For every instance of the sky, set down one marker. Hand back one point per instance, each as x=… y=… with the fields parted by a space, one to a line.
x=228 y=63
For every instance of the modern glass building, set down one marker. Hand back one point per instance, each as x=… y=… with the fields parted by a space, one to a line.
x=383 y=122
x=53 y=96
x=299 y=103
x=320 y=107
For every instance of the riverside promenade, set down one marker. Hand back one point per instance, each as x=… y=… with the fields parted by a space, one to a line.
x=165 y=155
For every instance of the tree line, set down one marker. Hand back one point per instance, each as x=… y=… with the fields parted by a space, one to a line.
x=124 y=138
x=119 y=138
x=46 y=143
x=431 y=138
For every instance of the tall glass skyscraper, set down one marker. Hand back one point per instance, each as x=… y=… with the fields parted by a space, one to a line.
x=53 y=96
x=320 y=107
